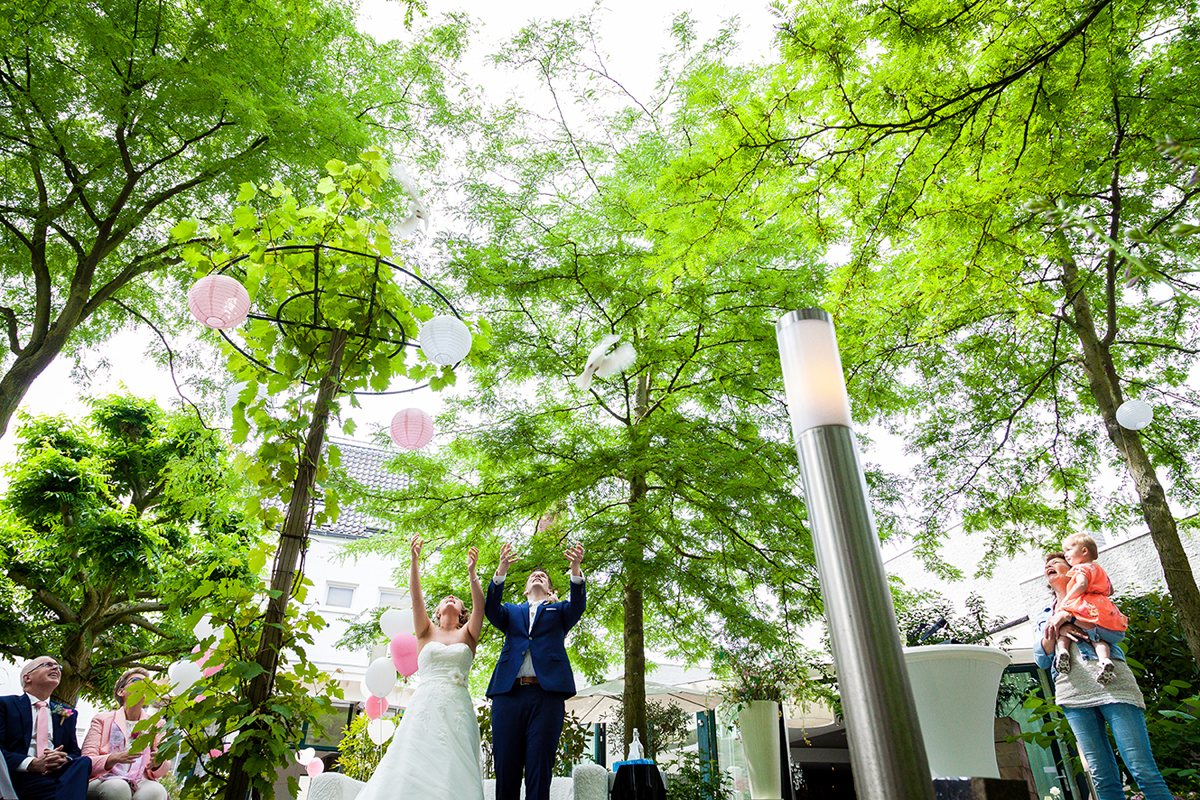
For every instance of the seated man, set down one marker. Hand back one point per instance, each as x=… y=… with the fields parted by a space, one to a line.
x=37 y=738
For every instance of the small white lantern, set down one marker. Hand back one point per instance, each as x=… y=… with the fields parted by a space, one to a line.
x=1134 y=415
x=219 y=301
x=445 y=339
x=412 y=428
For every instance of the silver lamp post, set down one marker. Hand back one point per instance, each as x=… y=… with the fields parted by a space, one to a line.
x=886 y=749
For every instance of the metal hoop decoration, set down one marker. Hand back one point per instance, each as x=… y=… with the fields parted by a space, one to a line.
x=277 y=315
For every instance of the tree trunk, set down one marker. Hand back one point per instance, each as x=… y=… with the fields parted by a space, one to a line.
x=292 y=539
x=32 y=362
x=1105 y=387
x=634 y=631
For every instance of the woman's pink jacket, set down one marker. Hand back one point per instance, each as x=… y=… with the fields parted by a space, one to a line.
x=95 y=744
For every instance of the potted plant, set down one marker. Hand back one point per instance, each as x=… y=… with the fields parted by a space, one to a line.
x=755 y=683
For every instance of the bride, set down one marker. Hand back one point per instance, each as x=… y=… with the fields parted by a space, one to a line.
x=434 y=754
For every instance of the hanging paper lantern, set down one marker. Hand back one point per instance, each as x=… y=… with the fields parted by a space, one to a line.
x=445 y=339
x=412 y=428
x=1135 y=415
x=219 y=301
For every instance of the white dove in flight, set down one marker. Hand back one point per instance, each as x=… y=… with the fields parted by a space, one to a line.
x=419 y=214
x=606 y=360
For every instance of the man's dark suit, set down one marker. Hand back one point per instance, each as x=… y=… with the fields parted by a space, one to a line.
x=16 y=729
x=527 y=719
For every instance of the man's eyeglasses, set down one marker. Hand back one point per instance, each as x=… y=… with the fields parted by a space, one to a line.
x=44 y=664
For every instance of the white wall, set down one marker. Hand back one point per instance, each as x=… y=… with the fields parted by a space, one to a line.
x=327 y=565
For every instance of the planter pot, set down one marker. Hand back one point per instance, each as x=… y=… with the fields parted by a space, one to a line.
x=955 y=688
x=758 y=725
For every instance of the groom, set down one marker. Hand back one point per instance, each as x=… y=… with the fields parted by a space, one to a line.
x=532 y=679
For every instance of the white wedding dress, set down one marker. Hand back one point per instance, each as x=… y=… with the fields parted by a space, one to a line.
x=434 y=754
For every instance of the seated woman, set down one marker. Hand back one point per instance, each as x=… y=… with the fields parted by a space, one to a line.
x=118 y=774
x=1089 y=705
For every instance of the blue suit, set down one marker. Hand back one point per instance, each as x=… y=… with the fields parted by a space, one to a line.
x=70 y=781
x=527 y=718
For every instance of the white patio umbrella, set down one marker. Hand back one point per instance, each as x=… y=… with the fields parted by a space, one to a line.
x=592 y=703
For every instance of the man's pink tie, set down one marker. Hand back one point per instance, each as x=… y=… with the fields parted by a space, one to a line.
x=41 y=726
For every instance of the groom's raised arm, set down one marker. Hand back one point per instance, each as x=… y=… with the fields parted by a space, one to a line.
x=493 y=604
x=573 y=609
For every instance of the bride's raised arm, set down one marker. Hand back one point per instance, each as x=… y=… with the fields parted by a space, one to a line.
x=475 y=623
x=421 y=626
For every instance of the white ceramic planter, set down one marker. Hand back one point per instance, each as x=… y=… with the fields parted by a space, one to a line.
x=758 y=725
x=955 y=688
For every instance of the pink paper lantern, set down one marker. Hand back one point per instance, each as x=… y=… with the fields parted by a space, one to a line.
x=219 y=301
x=412 y=428
x=375 y=706
x=315 y=767
x=404 y=653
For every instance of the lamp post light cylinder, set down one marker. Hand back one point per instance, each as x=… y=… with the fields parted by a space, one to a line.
x=887 y=752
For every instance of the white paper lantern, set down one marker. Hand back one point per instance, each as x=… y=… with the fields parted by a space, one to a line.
x=1135 y=415
x=412 y=428
x=219 y=301
x=380 y=730
x=445 y=339
x=303 y=757
x=381 y=677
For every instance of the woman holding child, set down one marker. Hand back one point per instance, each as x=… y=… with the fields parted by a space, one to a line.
x=1093 y=693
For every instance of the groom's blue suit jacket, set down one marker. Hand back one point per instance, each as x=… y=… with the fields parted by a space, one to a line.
x=546 y=642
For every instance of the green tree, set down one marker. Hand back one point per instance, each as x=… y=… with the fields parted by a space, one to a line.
x=347 y=333
x=677 y=476
x=108 y=525
x=997 y=343
x=120 y=117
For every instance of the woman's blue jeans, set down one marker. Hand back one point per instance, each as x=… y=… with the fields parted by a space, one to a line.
x=1128 y=723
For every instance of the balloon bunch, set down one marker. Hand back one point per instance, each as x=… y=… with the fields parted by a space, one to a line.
x=307 y=758
x=188 y=671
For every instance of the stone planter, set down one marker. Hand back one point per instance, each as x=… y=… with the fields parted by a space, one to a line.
x=758 y=725
x=955 y=688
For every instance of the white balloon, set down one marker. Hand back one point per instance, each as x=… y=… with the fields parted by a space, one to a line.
x=392 y=622
x=183 y=675
x=204 y=628
x=380 y=730
x=306 y=755
x=380 y=677
x=1134 y=414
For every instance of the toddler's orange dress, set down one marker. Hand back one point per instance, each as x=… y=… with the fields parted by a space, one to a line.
x=1093 y=605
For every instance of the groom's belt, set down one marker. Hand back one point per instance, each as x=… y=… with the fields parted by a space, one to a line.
x=525 y=681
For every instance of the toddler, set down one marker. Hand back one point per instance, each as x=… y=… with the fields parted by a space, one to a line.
x=1087 y=604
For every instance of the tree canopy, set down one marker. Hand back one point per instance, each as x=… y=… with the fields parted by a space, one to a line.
x=678 y=476
x=109 y=523
x=121 y=117
x=927 y=138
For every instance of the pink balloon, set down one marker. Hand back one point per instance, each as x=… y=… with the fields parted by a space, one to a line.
x=404 y=653
x=315 y=767
x=375 y=706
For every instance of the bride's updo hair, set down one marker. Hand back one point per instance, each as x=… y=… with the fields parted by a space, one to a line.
x=463 y=618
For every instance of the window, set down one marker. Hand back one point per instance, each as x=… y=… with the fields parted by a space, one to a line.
x=392 y=598
x=339 y=596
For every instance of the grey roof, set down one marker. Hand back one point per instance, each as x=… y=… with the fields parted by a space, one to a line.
x=365 y=463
